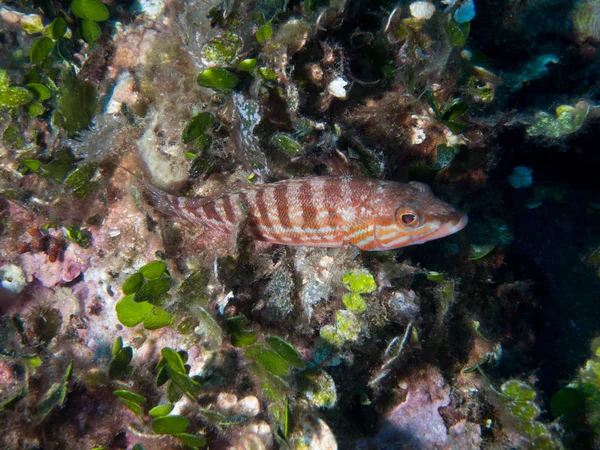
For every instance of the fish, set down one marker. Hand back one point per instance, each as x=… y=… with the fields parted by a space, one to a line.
x=328 y=211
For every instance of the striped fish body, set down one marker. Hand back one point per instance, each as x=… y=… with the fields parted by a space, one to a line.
x=323 y=212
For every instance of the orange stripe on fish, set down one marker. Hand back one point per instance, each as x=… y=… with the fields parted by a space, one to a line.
x=323 y=212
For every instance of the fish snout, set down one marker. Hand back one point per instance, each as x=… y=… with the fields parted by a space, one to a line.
x=453 y=225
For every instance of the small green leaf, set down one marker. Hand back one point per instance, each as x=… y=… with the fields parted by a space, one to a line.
x=157 y=318
x=480 y=251
x=243 y=338
x=34 y=109
x=58 y=28
x=286 y=351
x=128 y=395
x=54 y=398
x=10 y=403
x=161 y=410
x=288 y=144
x=218 y=79
x=234 y=324
x=90 y=31
x=264 y=33
x=192 y=440
x=456 y=109
x=120 y=361
x=268 y=359
x=194 y=286
x=567 y=402
x=456 y=127
x=209 y=328
x=135 y=407
x=173 y=360
x=174 y=394
x=80 y=178
x=203 y=143
x=247 y=65
x=40 y=91
x=31 y=164
x=90 y=10
x=162 y=376
x=170 y=424
x=196 y=126
x=153 y=290
x=60 y=166
x=185 y=383
x=40 y=50
x=267 y=73
x=117 y=345
x=131 y=313
x=133 y=283
x=153 y=269
x=138 y=446
x=436 y=276
x=444 y=156
x=457 y=33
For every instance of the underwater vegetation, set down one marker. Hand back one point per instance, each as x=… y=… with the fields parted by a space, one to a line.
x=184 y=260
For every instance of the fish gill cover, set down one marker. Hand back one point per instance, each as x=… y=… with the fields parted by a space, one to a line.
x=124 y=326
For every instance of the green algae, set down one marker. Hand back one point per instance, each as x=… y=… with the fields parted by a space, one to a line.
x=567 y=120
x=58 y=28
x=197 y=126
x=121 y=358
x=54 y=398
x=519 y=399
x=222 y=51
x=354 y=302
x=90 y=31
x=77 y=105
x=80 y=180
x=172 y=424
x=93 y=10
x=131 y=400
x=264 y=33
x=359 y=281
x=247 y=65
x=346 y=329
x=133 y=284
x=287 y=144
x=480 y=251
x=153 y=270
x=218 y=79
x=286 y=351
x=319 y=389
x=161 y=410
x=243 y=338
x=268 y=359
x=41 y=49
x=12 y=96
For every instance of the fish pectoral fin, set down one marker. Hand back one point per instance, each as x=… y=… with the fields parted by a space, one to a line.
x=239 y=239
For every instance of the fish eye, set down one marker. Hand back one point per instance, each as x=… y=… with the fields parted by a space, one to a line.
x=408 y=218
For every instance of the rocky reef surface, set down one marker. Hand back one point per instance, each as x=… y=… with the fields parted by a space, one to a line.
x=122 y=327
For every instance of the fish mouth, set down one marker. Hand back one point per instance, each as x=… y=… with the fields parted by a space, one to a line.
x=453 y=227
